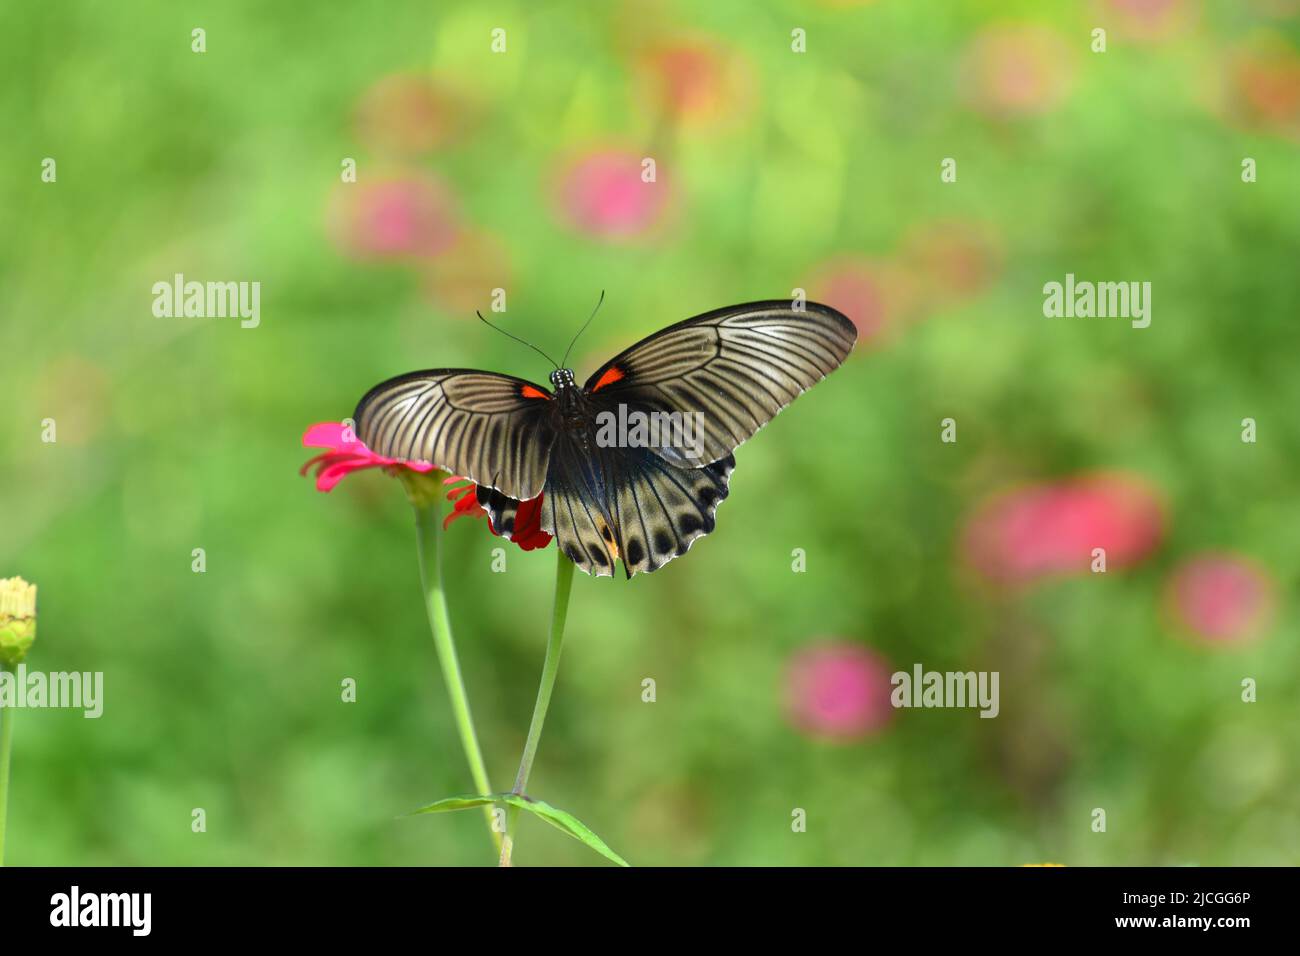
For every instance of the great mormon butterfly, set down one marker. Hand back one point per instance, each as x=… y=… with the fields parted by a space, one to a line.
x=732 y=369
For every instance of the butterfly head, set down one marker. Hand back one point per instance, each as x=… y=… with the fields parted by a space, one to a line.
x=562 y=378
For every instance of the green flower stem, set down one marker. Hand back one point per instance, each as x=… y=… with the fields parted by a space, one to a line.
x=429 y=525
x=6 y=743
x=550 y=668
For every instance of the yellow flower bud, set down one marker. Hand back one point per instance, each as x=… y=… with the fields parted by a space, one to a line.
x=17 y=620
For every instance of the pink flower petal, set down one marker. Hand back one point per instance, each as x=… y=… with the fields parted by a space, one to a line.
x=838 y=690
x=1221 y=598
x=331 y=475
x=323 y=435
x=603 y=195
x=1024 y=534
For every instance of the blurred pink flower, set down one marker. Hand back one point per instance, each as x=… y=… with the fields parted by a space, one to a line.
x=838 y=689
x=872 y=294
x=1016 y=70
x=1264 y=88
x=952 y=259
x=697 y=81
x=1221 y=598
x=1147 y=19
x=403 y=217
x=410 y=114
x=1023 y=534
x=603 y=195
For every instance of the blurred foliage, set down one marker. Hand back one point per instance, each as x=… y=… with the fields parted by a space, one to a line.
x=223 y=688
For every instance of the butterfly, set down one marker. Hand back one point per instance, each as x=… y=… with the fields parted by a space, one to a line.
x=608 y=494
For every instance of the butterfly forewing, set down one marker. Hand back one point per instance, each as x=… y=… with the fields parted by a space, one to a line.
x=736 y=367
x=494 y=429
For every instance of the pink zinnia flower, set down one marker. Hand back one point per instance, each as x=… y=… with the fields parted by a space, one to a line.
x=345 y=453
x=406 y=217
x=603 y=195
x=839 y=690
x=1024 y=534
x=1221 y=598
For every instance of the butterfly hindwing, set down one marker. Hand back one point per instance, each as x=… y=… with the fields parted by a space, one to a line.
x=577 y=505
x=737 y=367
x=494 y=429
x=610 y=504
x=502 y=510
x=662 y=509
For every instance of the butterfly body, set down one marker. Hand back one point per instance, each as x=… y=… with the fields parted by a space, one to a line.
x=716 y=379
x=571 y=412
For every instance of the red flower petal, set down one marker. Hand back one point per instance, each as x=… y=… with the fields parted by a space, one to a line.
x=528 y=526
x=466 y=499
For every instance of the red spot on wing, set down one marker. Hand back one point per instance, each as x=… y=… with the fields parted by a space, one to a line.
x=612 y=375
x=529 y=392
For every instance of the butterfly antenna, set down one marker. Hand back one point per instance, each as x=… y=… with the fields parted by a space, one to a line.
x=515 y=337
x=565 y=363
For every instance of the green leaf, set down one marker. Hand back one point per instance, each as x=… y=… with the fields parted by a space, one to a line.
x=560 y=819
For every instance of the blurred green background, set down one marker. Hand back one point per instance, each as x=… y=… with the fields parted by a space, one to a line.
x=775 y=170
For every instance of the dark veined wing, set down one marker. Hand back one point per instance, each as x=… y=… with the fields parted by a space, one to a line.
x=603 y=504
x=737 y=367
x=660 y=509
x=576 y=508
x=493 y=429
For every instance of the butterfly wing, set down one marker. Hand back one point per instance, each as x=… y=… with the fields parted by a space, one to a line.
x=737 y=367
x=493 y=429
x=661 y=509
x=577 y=506
x=603 y=504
